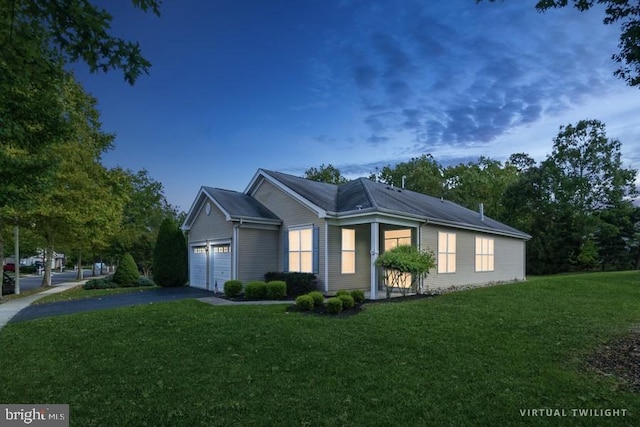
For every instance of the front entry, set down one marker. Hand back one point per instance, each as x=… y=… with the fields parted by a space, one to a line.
x=220 y=267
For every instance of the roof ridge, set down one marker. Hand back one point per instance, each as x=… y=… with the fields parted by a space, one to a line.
x=372 y=200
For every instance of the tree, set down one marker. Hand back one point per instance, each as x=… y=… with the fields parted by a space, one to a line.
x=79 y=206
x=170 y=256
x=74 y=30
x=126 y=273
x=421 y=174
x=401 y=261
x=329 y=174
x=625 y=12
x=143 y=213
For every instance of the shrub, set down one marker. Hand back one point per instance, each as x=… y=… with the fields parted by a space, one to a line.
x=342 y=292
x=334 y=305
x=347 y=301
x=304 y=302
x=255 y=290
x=276 y=289
x=297 y=283
x=170 y=255
x=145 y=281
x=318 y=298
x=127 y=272
x=232 y=288
x=103 y=283
x=358 y=296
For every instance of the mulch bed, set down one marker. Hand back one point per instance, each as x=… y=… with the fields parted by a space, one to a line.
x=620 y=358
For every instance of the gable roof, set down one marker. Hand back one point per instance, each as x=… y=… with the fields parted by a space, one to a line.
x=235 y=206
x=363 y=195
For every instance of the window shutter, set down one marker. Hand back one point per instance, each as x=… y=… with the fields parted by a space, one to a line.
x=285 y=255
x=316 y=250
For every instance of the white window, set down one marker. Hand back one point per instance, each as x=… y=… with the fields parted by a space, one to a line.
x=348 y=251
x=301 y=250
x=484 y=254
x=446 y=252
x=393 y=238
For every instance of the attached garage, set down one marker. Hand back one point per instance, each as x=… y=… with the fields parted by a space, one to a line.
x=220 y=266
x=198 y=267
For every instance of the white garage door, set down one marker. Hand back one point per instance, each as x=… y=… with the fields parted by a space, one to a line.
x=198 y=267
x=220 y=266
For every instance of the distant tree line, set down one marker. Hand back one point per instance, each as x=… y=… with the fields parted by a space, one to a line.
x=577 y=204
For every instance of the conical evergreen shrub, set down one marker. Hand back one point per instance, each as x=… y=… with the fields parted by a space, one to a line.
x=127 y=272
x=170 y=256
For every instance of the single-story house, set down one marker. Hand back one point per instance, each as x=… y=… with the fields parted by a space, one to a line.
x=283 y=222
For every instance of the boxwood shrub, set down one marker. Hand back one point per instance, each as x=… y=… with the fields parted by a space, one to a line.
x=358 y=296
x=304 y=302
x=255 y=290
x=276 y=289
x=104 y=283
x=347 y=301
x=342 y=292
x=297 y=283
x=232 y=288
x=334 y=305
x=318 y=298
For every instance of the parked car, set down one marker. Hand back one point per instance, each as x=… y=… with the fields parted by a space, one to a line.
x=8 y=284
x=9 y=267
x=38 y=265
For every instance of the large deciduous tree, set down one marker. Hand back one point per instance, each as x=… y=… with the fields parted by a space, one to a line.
x=623 y=12
x=329 y=174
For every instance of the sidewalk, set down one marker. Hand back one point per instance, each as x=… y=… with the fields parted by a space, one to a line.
x=8 y=309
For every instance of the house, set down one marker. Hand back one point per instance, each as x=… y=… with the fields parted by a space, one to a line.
x=286 y=223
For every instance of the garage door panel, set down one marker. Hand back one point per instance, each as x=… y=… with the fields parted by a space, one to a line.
x=198 y=267
x=221 y=266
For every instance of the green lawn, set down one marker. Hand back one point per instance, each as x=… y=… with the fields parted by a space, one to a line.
x=469 y=358
x=79 y=293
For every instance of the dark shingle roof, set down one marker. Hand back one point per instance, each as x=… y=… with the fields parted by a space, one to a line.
x=364 y=194
x=240 y=205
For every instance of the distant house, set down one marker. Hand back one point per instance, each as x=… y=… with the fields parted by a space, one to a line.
x=287 y=223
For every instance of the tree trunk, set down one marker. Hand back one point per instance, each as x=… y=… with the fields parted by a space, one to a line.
x=79 y=276
x=46 y=279
x=1 y=253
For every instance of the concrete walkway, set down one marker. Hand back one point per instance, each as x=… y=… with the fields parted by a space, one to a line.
x=21 y=309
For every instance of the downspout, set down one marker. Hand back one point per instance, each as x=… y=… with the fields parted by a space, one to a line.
x=234 y=250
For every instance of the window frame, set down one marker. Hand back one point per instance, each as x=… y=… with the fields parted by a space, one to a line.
x=348 y=251
x=447 y=252
x=485 y=254
x=300 y=251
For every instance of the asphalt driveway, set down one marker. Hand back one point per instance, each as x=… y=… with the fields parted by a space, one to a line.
x=107 y=302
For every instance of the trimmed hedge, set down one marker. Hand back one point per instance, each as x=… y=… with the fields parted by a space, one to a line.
x=358 y=296
x=297 y=283
x=276 y=289
x=334 y=305
x=318 y=298
x=343 y=292
x=304 y=302
x=347 y=301
x=255 y=290
x=232 y=288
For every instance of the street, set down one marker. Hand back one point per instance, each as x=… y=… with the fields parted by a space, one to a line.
x=33 y=281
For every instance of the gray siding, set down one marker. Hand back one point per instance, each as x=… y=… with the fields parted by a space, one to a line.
x=256 y=253
x=361 y=279
x=292 y=213
x=210 y=227
x=509 y=254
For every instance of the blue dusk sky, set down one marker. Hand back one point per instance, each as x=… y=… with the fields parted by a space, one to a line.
x=238 y=85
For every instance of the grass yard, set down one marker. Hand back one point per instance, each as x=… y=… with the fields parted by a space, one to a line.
x=79 y=293
x=477 y=357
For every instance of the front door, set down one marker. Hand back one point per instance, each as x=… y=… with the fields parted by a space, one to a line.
x=393 y=238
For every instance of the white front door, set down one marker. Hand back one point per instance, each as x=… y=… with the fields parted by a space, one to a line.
x=198 y=267
x=220 y=267
x=393 y=238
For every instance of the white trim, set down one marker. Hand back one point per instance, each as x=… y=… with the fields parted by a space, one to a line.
x=375 y=245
